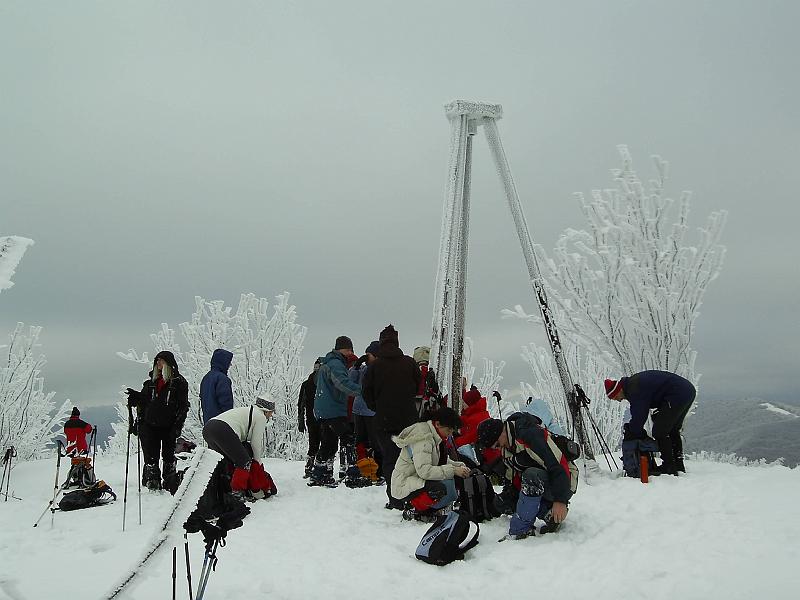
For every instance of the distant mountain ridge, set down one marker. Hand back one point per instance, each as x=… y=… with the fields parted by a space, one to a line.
x=748 y=427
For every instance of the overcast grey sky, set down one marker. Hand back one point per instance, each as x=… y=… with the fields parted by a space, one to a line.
x=155 y=151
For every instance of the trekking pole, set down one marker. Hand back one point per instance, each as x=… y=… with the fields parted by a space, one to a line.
x=497 y=397
x=127 y=461
x=188 y=564
x=139 y=466
x=209 y=564
x=11 y=452
x=174 y=568
x=56 y=488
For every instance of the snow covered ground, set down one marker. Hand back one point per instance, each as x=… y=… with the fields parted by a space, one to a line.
x=721 y=531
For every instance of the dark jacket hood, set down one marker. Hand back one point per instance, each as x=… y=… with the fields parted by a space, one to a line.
x=169 y=358
x=221 y=360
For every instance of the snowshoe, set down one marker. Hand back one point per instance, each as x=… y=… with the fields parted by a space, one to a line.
x=517 y=536
x=424 y=516
x=329 y=482
x=357 y=482
x=549 y=526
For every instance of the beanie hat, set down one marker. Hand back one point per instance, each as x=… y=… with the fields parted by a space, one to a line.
x=422 y=354
x=343 y=343
x=75 y=412
x=612 y=387
x=263 y=402
x=389 y=334
x=488 y=432
x=373 y=348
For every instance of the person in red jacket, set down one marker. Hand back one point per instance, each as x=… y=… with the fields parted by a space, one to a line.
x=75 y=430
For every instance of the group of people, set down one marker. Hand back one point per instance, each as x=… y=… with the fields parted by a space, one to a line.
x=383 y=413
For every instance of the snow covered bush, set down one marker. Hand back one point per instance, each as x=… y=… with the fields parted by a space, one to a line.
x=11 y=250
x=266 y=358
x=628 y=291
x=27 y=418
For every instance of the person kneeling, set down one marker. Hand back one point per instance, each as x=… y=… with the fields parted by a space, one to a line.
x=238 y=434
x=424 y=474
x=542 y=477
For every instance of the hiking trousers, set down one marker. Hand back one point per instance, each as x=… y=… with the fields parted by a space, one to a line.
x=221 y=438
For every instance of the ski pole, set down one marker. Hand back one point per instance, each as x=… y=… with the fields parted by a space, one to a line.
x=174 y=568
x=188 y=564
x=139 y=466
x=127 y=461
x=10 y=453
x=496 y=394
x=212 y=563
x=56 y=488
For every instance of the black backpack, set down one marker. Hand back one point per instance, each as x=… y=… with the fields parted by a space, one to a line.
x=633 y=450
x=448 y=539
x=95 y=495
x=476 y=498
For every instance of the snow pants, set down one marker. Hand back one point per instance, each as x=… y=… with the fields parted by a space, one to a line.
x=390 y=453
x=667 y=424
x=221 y=438
x=154 y=440
x=532 y=501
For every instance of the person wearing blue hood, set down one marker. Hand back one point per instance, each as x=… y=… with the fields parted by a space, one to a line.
x=216 y=393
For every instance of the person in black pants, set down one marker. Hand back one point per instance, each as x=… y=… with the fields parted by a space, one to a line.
x=390 y=387
x=670 y=397
x=161 y=407
x=305 y=417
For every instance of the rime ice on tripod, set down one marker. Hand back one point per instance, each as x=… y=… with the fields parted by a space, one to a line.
x=447 y=340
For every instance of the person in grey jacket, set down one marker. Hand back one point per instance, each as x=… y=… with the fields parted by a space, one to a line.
x=424 y=474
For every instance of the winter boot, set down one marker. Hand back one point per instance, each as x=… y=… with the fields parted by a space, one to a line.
x=151 y=476
x=322 y=474
x=168 y=474
x=667 y=465
x=309 y=466
x=677 y=452
x=394 y=504
x=550 y=526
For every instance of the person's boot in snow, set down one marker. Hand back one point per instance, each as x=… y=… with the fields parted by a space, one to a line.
x=677 y=452
x=550 y=526
x=169 y=472
x=309 y=466
x=322 y=475
x=151 y=477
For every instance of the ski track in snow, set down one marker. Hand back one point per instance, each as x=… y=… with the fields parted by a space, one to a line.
x=721 y=531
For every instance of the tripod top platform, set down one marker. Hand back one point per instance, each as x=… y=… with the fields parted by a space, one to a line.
x=475 y=110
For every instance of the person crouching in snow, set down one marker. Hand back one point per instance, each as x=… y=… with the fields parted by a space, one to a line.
x=75 y=430
x=542 y=477
x=424 y=474
x=238 y=434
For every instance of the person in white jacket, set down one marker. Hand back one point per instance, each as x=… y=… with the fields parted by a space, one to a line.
x=424 y=473
x=227 y=433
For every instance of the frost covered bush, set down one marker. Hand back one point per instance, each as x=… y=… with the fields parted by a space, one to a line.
x=266 y=358
x=627 y=292
x=27 y=418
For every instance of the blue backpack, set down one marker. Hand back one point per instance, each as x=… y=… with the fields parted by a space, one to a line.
x=633 y=450
x=448 y=539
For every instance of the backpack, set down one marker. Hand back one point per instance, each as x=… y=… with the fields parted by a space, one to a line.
x=633 y=450
x=448 y=539
x=569 y=448
x=95 y=495
x=476 y=498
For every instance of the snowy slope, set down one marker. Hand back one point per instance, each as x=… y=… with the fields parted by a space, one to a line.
x=722 y=531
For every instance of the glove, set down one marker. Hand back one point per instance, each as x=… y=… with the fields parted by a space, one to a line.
x=133 y=396
x=627 y=434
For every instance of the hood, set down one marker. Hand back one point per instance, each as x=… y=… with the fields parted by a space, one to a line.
x=168 y=358
x=221 y=360
x=331 y=356
x=475 y=408
x=417 y=432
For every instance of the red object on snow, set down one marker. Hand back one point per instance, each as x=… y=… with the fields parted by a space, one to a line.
x=472 y=416
x=644 y=468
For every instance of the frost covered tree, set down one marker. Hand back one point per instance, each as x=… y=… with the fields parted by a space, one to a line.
x=627 y=292
x=491 y=376
x=27 y=418
x=266 y=349
x=11 y=250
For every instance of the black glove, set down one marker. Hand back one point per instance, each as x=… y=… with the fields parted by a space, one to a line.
x=628 y=435
x=133 y=396
x=497 y=395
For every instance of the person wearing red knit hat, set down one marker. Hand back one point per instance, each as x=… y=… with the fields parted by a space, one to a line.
x=669 y=397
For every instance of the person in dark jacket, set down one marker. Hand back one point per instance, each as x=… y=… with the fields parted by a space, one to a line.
x=305 y=417
x=542 y=479
x=330 y=410
x=75 y=430
x=670 y=397
x=161 y=408
x=216 y=393
x=390 y=387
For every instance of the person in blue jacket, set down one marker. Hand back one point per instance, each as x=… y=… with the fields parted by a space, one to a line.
x=670 y=397
x=330 y=409
x=216 y=393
